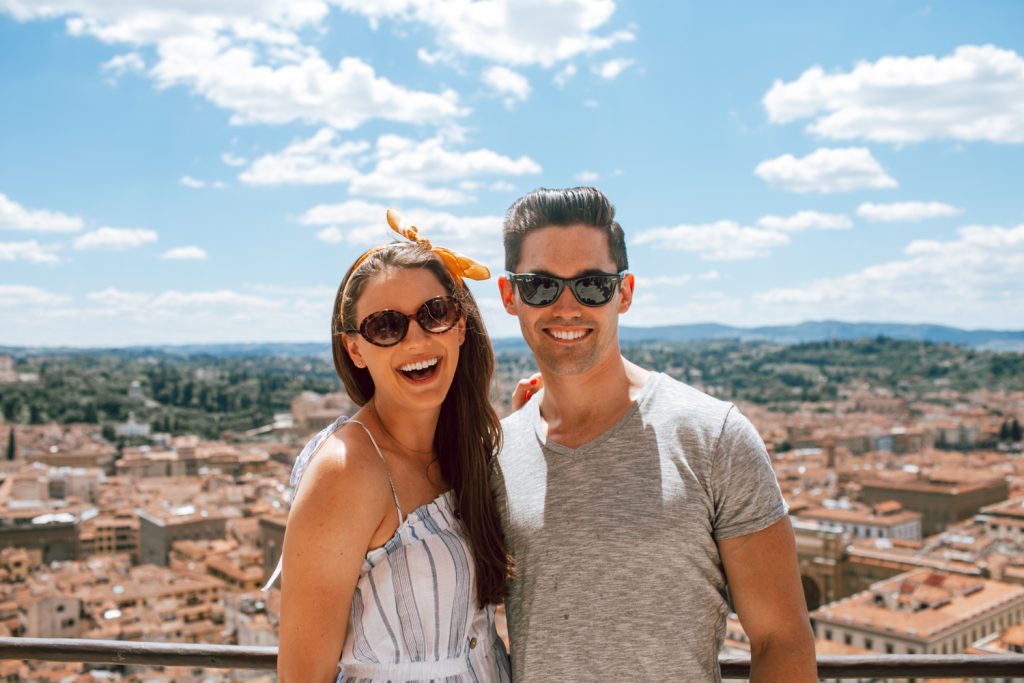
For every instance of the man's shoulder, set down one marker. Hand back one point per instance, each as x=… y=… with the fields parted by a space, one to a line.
x=674 y=400
x=517 y=428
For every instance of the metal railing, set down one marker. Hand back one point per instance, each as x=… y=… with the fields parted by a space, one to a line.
x=265 y=658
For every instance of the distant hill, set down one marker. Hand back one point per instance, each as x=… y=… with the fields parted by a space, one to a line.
x=823 y=330
x=989 y=340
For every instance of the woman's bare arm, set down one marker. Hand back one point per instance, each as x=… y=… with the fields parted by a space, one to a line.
x=340 y=503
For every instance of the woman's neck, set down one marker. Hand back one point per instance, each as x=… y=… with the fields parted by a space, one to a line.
x=410 y=431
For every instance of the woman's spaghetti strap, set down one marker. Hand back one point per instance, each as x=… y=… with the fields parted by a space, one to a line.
x=302 y=462
x=390 y=481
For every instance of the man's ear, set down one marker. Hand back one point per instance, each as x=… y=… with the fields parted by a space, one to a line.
x=626 y=292
x=508 y=294
x=351 y=343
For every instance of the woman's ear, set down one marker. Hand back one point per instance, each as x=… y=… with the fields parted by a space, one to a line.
x=461 y=327
x=351 y=343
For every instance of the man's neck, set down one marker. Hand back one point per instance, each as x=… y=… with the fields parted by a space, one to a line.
x=576 y=409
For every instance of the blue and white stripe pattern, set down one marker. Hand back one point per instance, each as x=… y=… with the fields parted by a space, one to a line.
x=414 y=615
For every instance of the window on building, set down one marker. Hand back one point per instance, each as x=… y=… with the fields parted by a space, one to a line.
x=868 y=644
x=911 y=650
x=828 y=634
x=848 y=639
x=889 y=649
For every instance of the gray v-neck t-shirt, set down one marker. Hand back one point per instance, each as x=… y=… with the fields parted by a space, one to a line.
x=618 y=575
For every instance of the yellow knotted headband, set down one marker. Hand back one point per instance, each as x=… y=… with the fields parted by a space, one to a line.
x=458 y=265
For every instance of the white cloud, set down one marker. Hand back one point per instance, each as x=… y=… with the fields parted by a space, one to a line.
x=189 y=181
x=516 y=33
x=16 y=217
x=397 y=168
x=220 y=297
x=305 y=88
x=826 y=170
x=806 y=220
x=232 y=159
x=247 y=58
x=319 y=160
x=973 y=279
x=175 y=300
x=718 y=241
x=906 y=212
x=360 y=222
x=587 y=176
x=119 y=317
x=507 y=82
x=332 y=234
x=30 y=251
x=190 y=253
x=115 y=239
x=119 y=65
x=976 y=93
x=644 y=281
x=565 y=75
x=12 y=296
x=611 y=69
x=117 y=298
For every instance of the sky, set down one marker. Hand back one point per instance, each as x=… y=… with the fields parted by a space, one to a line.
x=185 y=171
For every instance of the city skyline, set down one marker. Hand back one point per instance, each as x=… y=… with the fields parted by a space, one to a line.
x=175 y=176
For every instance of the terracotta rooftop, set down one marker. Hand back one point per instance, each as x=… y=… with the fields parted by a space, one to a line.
x=922 y=604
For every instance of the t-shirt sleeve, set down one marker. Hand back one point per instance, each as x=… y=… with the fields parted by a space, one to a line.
x=746 y=493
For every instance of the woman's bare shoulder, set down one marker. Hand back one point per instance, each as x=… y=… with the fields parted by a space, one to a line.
x=346 y=470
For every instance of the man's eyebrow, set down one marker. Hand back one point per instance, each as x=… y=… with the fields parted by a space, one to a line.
x=582 y=273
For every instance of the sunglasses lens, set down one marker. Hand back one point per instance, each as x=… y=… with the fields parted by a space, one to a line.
x=385 y=328
x=438 y=315
x=595 y=290
x=537 y=290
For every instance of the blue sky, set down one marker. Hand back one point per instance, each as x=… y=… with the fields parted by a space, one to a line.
x=181 y=172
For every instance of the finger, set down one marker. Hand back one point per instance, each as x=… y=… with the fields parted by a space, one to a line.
x=524 y=389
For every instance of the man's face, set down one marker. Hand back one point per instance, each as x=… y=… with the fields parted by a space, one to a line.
x=567 y=337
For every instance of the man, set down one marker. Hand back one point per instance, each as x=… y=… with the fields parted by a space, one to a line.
x=629 y=499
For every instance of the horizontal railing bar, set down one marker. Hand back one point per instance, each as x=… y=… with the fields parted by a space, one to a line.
x=896 y=666
x=130 y=652
x=243 y=657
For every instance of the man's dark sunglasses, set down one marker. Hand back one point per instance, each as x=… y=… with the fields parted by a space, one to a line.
x=539 y=290
x=387 y=328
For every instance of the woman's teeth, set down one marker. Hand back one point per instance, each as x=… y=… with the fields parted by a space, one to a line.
x=568 y=336
x=419 y=365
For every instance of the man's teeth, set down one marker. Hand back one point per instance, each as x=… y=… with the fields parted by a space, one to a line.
x=419 y=365
x=558 y=334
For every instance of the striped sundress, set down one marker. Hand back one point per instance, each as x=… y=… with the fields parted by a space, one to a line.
x=414 y=615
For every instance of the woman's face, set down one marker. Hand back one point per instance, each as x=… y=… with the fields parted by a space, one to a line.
x=417 y=371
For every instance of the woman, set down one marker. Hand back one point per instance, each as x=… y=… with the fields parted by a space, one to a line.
x=393 y=554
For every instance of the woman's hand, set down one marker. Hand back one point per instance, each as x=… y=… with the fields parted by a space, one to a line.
x=526 y=388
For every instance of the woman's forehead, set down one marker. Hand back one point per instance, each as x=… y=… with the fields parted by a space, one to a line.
x=398 y=289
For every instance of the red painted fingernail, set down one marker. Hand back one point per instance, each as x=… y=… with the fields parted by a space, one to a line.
x=526 y=396
x=533 y=382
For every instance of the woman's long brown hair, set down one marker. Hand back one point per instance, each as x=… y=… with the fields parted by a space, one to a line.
x=468 y=433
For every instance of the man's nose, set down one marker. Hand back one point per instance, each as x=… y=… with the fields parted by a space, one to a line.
x=565 y=305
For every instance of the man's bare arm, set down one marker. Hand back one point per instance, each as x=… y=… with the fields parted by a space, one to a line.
x=764 y=582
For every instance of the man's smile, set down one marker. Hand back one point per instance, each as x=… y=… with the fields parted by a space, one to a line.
x=567 y=335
